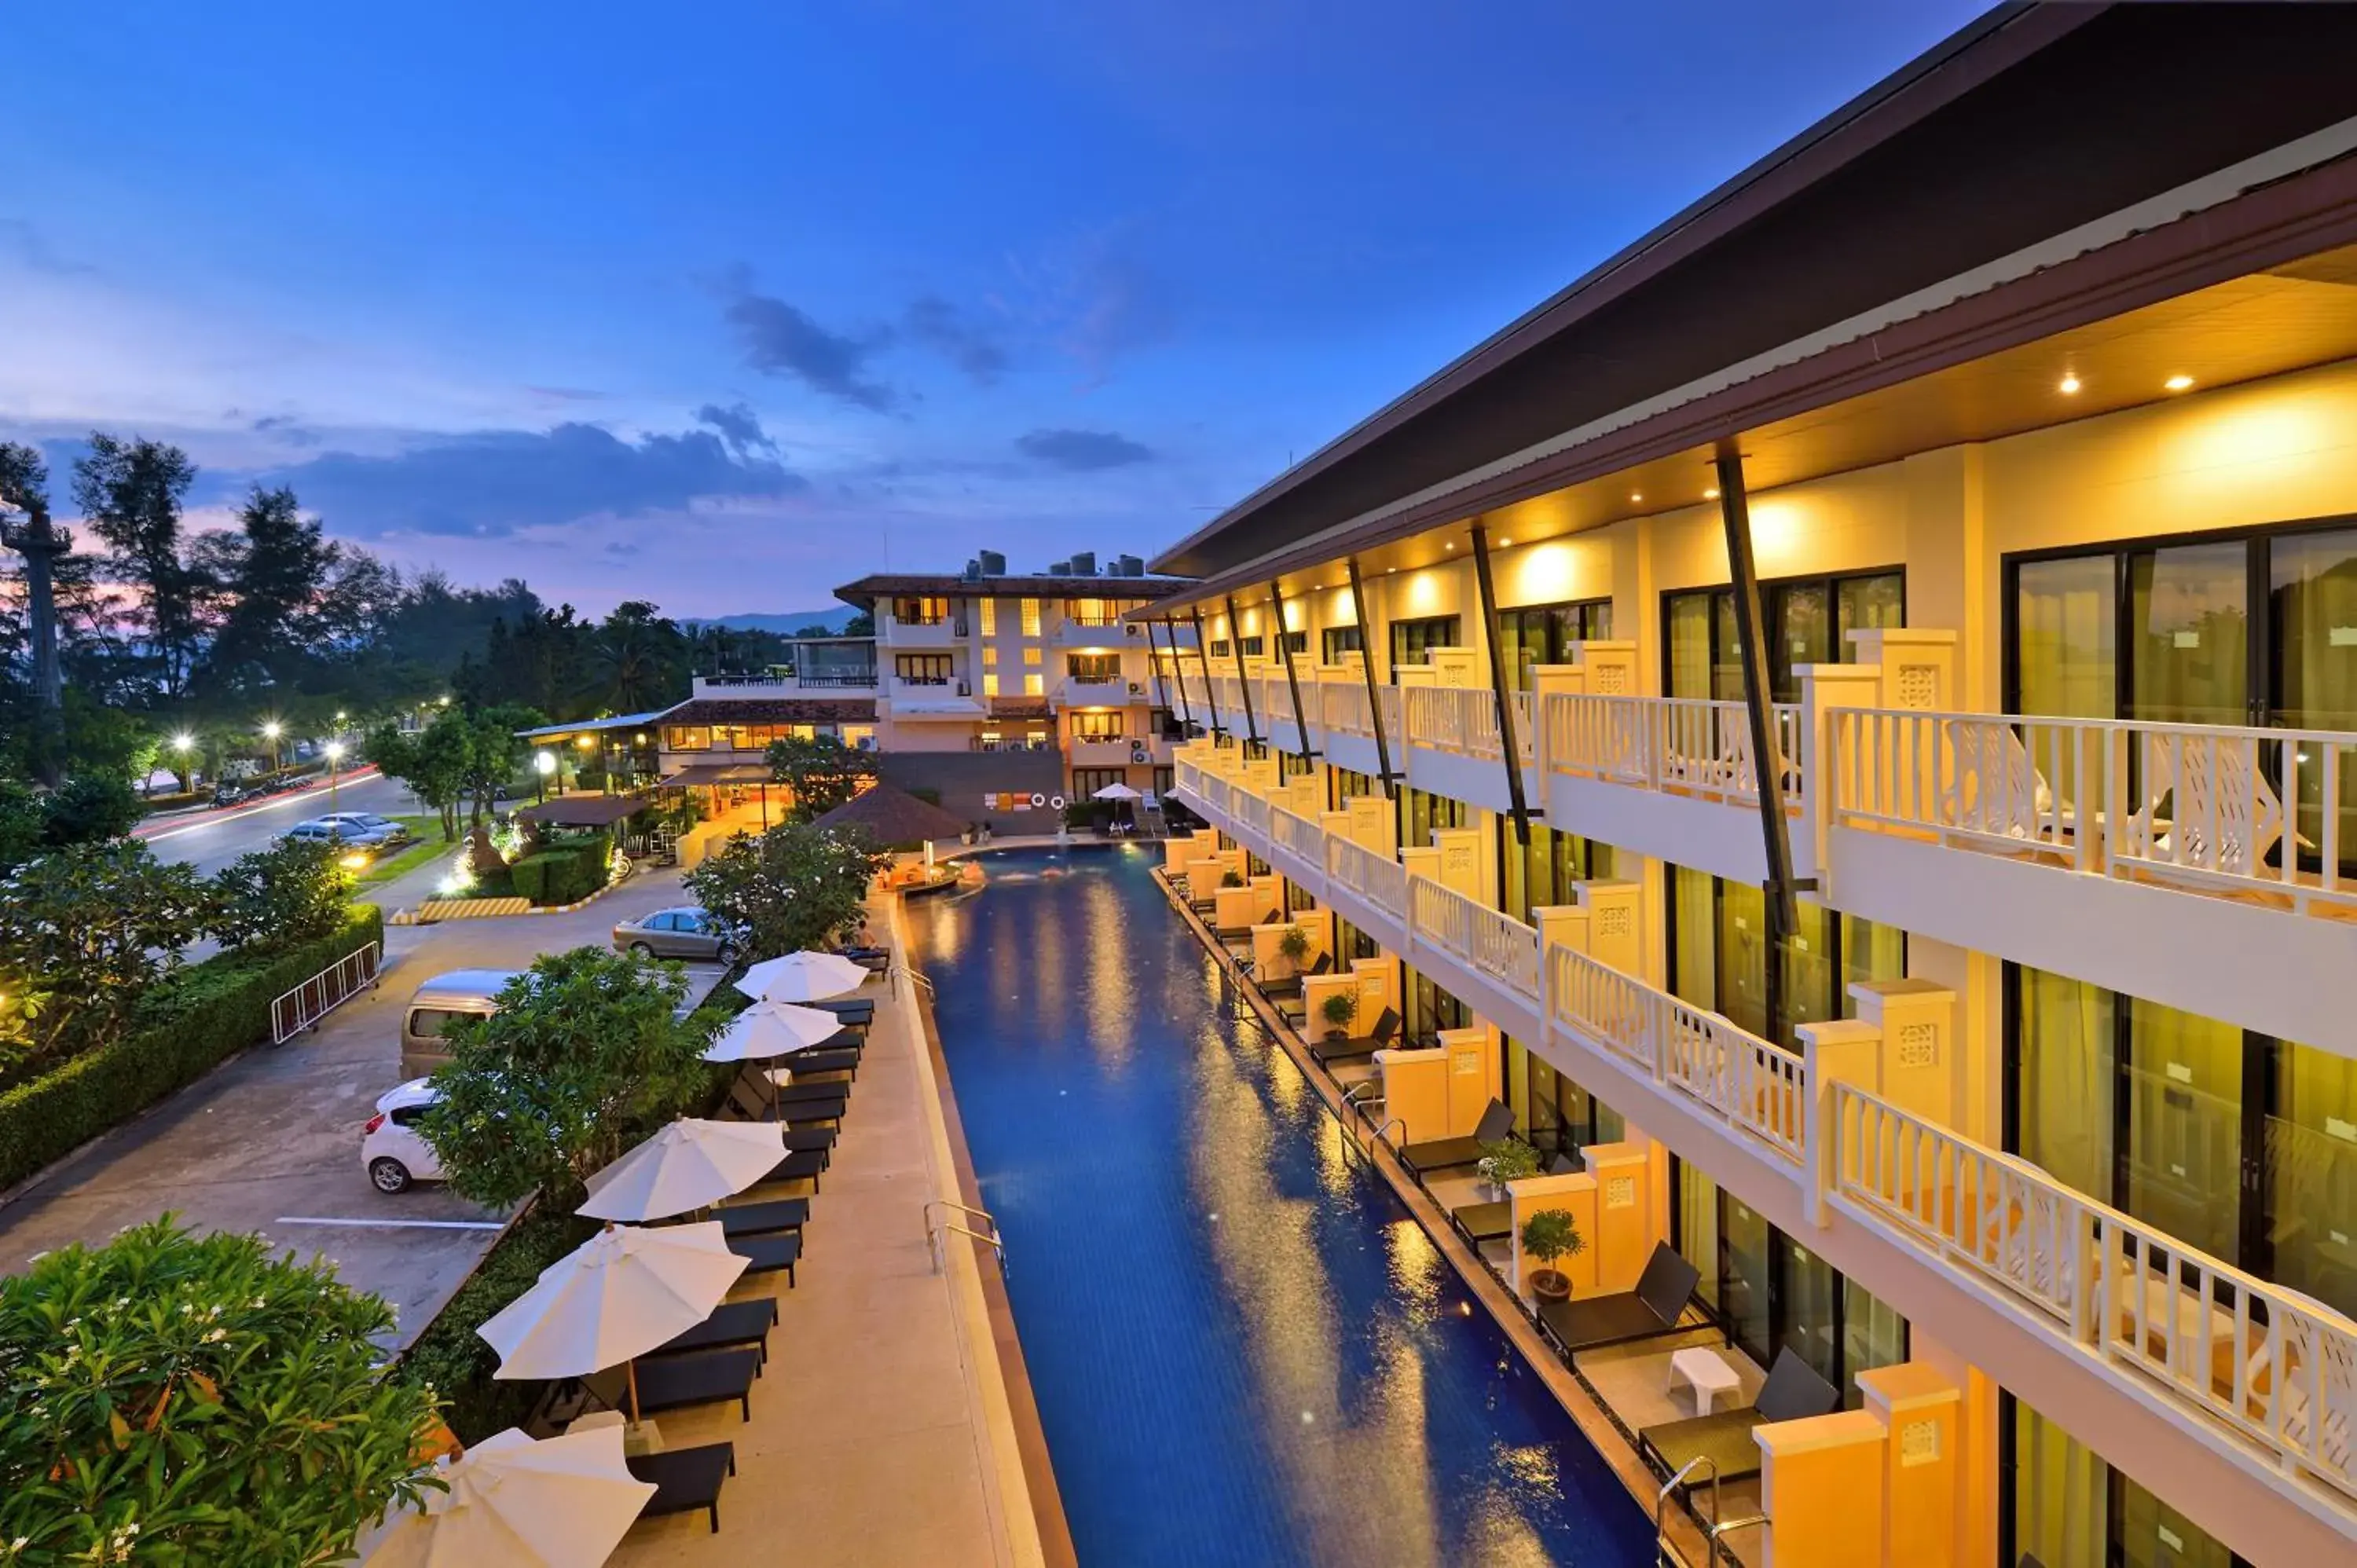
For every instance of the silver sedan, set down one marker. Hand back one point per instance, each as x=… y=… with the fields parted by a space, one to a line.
x=683 y=932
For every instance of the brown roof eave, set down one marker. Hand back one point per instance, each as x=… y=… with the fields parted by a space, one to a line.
x=2296 y=217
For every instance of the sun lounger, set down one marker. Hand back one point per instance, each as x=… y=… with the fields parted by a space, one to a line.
x=817 y=1140
x=1291 y=984
x=1356 y=1048
x=685 y=1480
x=1794 y=1391
x=1479 y=1222
x=818 y=1060
x=1496 y=1126
x=769 y=1253
x=734 y=1324
x=714 y=1377
x=1657 y=1305
x=857 y=1012
x=800 y=1164
x=758 y=1219
x=796 y=1106
x=1243 y=933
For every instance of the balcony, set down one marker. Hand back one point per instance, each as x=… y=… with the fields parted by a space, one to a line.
x=932 y=697
x=1074 y=692
x=912 y=635
x=1114 y=751
x=2156 y=1347
x=1113 y=633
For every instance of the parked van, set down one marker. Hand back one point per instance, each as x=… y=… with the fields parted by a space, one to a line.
x=441 y=1002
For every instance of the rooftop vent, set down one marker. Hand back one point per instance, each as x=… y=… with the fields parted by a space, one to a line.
x=994 y=563
x=973 y=572
x=1128 y=566
x=1085 y=564
x=1059 y=568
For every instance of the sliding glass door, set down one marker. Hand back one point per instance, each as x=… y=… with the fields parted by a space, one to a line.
x=2067 y=1508
x=1544 y=634
x=1809 y=621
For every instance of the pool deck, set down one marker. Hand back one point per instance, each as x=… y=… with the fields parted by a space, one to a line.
x=882 y=1431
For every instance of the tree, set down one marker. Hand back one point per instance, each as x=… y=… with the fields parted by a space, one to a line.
x=585 y=1056
x=822 y=770
x=431 y=763
x=129 y=493
x=281 y=897
x=93 y=926
x=176 y=1399
x=790 y=888
x=88 y=808
x=643 y=658
x=274 y=571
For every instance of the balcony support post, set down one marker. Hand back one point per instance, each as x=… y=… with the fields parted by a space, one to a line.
x=1243 y=681
x=1511 y=751
x=1203 y=652
x=1767 y=763
x=1186 y=709
x=1367 y=669
x=1292 y=682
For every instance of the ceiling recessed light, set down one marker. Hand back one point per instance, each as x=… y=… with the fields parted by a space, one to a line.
x=2069 y=383
x=1391 y=571
x=1505 y=544
x=2178 y=383
x=1711 y=494
x=1451 y=545
x=1636 y=495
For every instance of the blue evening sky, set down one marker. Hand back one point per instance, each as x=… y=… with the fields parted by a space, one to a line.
x=724 y=304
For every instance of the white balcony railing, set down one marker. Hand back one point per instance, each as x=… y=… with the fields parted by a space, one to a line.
x=1679 y=743
x=1292 y=831
x=1491 y=940
x=1253 y=812
x=1377 y=878
x=1343 y=707
x=2273 y=1364
x=2230 y=809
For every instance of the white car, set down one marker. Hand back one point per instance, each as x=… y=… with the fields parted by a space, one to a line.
x=391 y=1151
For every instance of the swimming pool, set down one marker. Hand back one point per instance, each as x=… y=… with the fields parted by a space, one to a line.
x=1243 y=1350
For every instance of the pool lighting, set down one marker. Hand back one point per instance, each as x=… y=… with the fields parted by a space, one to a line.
x=2178 y=382
x=2069 y=387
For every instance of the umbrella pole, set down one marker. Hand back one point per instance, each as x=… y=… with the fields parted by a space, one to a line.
x=631 y=1372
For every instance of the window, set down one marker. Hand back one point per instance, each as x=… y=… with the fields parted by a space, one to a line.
x=921 y=610
x=989 y=617
x=1295 y=642
x=1037 y=740
x=990 y=682
x=924 y=669
x=1339 y=640
x=1343 y=786
x=1809 y=621
x=1092 y=612
x=1543 y=634
x=1420 y=812
x=1087 y=781
x=1096 y=668
x=687 y=737
x=2064 y=1505
x=1430 y=1009
x=1544 y=871
x=1553 y=1114
x=1412 y=640
x=990 y=656
x=1096 y=725
x=1719 y=944
x=1031 y=657
x=1030 y=617
x=859 y=738
x=1034 y=684
x=1219 y=648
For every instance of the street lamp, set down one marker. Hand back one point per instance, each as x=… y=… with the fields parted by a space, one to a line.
x=334 y=749
x=182 y=744
x=271 y=731
x=543 y=763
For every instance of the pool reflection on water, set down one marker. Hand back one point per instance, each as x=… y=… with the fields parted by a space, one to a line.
x=1243 y=1350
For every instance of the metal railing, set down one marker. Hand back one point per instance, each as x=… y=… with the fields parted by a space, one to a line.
x=939 y=1227
x=303 y=1007
x=1679 y=743
x=2275 y=1365
x=1492 y=943
x=2228 y=808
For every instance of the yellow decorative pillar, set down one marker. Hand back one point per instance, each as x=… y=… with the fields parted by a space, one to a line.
x=1823 y=1482
x=1922 y=1412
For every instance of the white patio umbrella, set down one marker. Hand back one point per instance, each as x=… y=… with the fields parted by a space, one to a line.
x=613 y=1298
x=1117 y=791
x=556 y=1503
x=802 y=977
x=769 y=1030
x=686 y=1165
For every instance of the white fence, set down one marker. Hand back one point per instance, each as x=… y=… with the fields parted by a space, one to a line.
x=303 y=1007
x=1297 y=834
x=1680 y=744
x=1492 y=941
x=1379 y=879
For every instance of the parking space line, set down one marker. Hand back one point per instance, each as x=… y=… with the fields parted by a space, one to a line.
x=397 y=1224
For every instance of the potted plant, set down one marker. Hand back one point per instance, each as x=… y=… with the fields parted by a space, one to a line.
x=1295 y=945
x=1338 y=1009
x=1231 y=879
x=1549 y=1234
x=1508 y=1159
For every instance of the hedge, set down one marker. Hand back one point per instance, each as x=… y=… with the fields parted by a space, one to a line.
x=562 y=874
x=206 y=1014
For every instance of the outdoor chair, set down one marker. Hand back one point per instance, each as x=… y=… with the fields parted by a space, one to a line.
x=1657 y=1305
x=1497 y=1124
x=1327 y=1053
x=769 y=1253
x=1243 y=933
x=734 y=1324
x=1290 y=985
x=685 y=1480
x=1794 y=1391
x=679 y=1382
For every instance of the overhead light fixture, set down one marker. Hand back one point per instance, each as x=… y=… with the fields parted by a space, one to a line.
x=1636 y=495
x=2068 y=385
x=2178 y=382
x=1448 y=545
x=1391 y=571
x=1505 y=544
x=1711 y=494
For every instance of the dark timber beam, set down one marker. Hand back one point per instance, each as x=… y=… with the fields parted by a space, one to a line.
x=1767 y=764
x=1203 y=652
x=1186 y=709
x=1243 y=681
x=1507 y=740
x=1292 y=682
x=1367 y=669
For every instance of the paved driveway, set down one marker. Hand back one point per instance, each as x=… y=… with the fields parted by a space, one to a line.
x=271 y=1142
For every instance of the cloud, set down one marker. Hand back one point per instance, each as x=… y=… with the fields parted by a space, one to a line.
x=1083 y=451
x=780 y=340
x=285 y=427
x=21 y=241
x=738 y=427
x=492 y=483
x=936 y=323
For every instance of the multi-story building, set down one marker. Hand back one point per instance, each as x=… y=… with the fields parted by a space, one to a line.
x=1856 y=701
x=1006 y=694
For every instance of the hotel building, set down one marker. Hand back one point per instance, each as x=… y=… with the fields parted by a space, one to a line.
x=1848 y=711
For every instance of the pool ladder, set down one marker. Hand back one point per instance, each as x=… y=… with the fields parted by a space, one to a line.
x=1714 y=1536
x=937 y=1230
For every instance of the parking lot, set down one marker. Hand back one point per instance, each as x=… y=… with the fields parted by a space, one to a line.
x=270 y=1142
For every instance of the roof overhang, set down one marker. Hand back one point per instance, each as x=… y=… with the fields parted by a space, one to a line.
x=596 y=726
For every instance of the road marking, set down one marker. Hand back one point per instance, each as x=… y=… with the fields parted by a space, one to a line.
x=238 y=813
x=397 y=1224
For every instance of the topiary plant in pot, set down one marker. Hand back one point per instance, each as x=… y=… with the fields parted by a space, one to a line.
x=1508 y=1159
x=1231 y=879
x=1338 y=1009
x=1295 y=945
x=1549 y=1234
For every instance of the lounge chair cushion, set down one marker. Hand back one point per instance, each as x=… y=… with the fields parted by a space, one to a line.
x=685 y=1480
x=1794 y=1391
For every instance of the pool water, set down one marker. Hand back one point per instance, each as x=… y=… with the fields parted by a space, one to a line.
x=1244 y=1350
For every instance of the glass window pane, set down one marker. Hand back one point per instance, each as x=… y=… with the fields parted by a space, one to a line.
x=2185 y=1125
x=2066 y=1074
x=1807 y=1285
x=1690 y=645
x=1694 y=937
x=2062 y=1495
x=2310 y=1193
x=1865 y=604
x=1873 y=1335
x=1803 y=635
x=1698 y=1229
x=1813 y=989
x=1744 y=1289
x=1742 y=978
x=2064 y=637
x=2188 y=609
x=1727 y=650
x=2312 y=676
x=1869 y=951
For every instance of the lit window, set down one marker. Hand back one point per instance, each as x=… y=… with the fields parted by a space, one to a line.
x=989 y=617
x=1030 y=617
x=990 y=656
x=1034 y=684
x=990 y=684
x=1031 y=656
x=1097 y=725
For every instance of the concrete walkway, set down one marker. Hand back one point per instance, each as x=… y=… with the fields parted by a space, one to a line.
x=879 y=1433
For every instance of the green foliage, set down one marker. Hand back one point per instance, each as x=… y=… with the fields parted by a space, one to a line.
x=787 y=889
x=566 y=871
x=1509 y=1159
x=1338 y=1009
x=1231 y=879
x=90 y=808
x=1552 y=1233
x=93 y=925
x=193 y=1020
x=822 y=772
x=454 y=1362
x=184 y=1400
x=583 y=1055
x=280 y=897
x=1295 y=945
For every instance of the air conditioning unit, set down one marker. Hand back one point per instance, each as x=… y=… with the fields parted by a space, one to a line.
x=965 y=689
x=1138 y=753
x=1136 y=689
x=1134 y=629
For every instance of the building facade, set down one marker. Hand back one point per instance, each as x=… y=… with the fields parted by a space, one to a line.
x=1855 y=702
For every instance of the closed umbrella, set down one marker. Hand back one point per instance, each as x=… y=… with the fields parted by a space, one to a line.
x=802 y=977
x=614 y=1298
x=686 y=1165
x=555 y=1503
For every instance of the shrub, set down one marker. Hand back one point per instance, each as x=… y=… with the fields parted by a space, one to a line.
x=454 y=1361
x=1552 y=1233
x=92 y=927
x=204 y=1015
x=200 y=1401
x=788 y=888
x=1338 y=1009
x=281 y=897
x=1508 y=1159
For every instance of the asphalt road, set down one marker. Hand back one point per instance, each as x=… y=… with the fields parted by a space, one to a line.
x=210 y=839
x=271 y=1142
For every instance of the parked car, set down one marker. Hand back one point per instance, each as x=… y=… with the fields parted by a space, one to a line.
x=370 y=823
x=323 y=830
x=441 y=1002
x=392 y=1150
x=683 y=932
